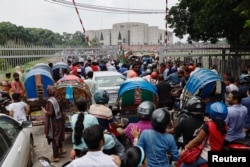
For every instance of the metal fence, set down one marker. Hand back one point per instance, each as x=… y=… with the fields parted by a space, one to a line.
x=27 y=56
x=223 y=57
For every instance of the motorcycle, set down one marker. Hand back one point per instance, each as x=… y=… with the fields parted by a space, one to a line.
x=205 y=84
x=239 y=144
x=5 y=100
x=130 y=95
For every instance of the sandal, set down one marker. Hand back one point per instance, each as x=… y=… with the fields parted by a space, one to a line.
x=54 y=159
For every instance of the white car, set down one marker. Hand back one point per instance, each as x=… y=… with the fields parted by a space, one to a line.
x=16 y=143
x=109 y=81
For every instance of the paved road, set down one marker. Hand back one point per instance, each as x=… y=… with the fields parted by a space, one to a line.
x=43 y=149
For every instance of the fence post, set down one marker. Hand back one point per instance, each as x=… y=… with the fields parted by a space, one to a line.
x=223 y=61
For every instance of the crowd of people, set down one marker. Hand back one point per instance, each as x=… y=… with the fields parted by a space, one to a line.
x=153 y=140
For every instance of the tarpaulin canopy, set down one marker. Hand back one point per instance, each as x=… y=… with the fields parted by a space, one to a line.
x=205 y=84
x=134 y=83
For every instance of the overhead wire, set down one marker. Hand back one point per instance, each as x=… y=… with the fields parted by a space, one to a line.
x=105 y=9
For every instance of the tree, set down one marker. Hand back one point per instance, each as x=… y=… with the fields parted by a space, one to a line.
x=244 y=10
x=209 y=21
x=10 y=33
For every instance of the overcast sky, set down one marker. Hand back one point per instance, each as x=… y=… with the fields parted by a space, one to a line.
x=43 y=14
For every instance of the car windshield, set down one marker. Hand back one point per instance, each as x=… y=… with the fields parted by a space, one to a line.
x=109 y=81
x=3 y=146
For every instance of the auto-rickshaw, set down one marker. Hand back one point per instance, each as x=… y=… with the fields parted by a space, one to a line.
x=205 y=84
x=132 y=92
x=68 y=92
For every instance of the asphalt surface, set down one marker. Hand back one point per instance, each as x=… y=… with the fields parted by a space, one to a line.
x=41 y=147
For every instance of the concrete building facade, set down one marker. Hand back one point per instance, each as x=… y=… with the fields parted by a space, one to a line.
x=130 y=33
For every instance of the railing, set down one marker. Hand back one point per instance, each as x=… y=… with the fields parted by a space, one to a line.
x=224 y=58
x=26 y=57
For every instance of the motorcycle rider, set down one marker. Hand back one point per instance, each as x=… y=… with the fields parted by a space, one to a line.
x=213 y=132
x=156 y=143
x=144 y=113
x=103 y=113
x=189 y=127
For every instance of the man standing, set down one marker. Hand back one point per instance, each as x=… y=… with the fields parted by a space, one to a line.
x=92 y=84
x=134 y=71
x=164 y=92
x=6 y=83
x=19 y=110
x=94 y=139
x=235 y=120
x=17 y=86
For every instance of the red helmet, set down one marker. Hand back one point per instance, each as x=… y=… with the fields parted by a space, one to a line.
x=191 y=68
x=154 y=75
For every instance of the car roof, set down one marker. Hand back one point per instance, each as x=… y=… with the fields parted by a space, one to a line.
x=106 y=73
x=4 y=115
x=1 y=114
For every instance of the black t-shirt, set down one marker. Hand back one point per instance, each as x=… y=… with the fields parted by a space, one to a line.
x=188 y=128
x=164 y=93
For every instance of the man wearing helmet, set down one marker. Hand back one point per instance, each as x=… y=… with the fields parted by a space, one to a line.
x=188 y=128
x=103 y=114
x=151 y=77
x=212 y=132
x=144 y=113
x=156 y=143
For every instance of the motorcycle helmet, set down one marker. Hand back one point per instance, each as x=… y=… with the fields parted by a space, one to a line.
x=195 y=105
x=149 y=66
x=160 y=119
x=145 y=110
x=191 y=68
x=101 y=97
x=148 y=71
x=154 y=65
x=218 y=110
x=154 y=75
x=244 y=78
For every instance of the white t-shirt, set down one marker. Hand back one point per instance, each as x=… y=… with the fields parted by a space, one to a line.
x=18 y=109
x=93 y=159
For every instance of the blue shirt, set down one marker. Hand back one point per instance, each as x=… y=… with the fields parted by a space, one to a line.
x=173 y=78
x=235 y=120
x=246 y=102
x=156 y=145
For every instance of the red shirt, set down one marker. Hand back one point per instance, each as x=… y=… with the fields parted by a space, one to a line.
x=17 y=87
x=74 y=70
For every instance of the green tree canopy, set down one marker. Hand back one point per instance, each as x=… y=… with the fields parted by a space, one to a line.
x=209 y=21
x=38 y=36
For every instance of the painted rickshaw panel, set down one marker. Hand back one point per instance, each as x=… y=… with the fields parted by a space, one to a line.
x=80 y=89
x=134 y=91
